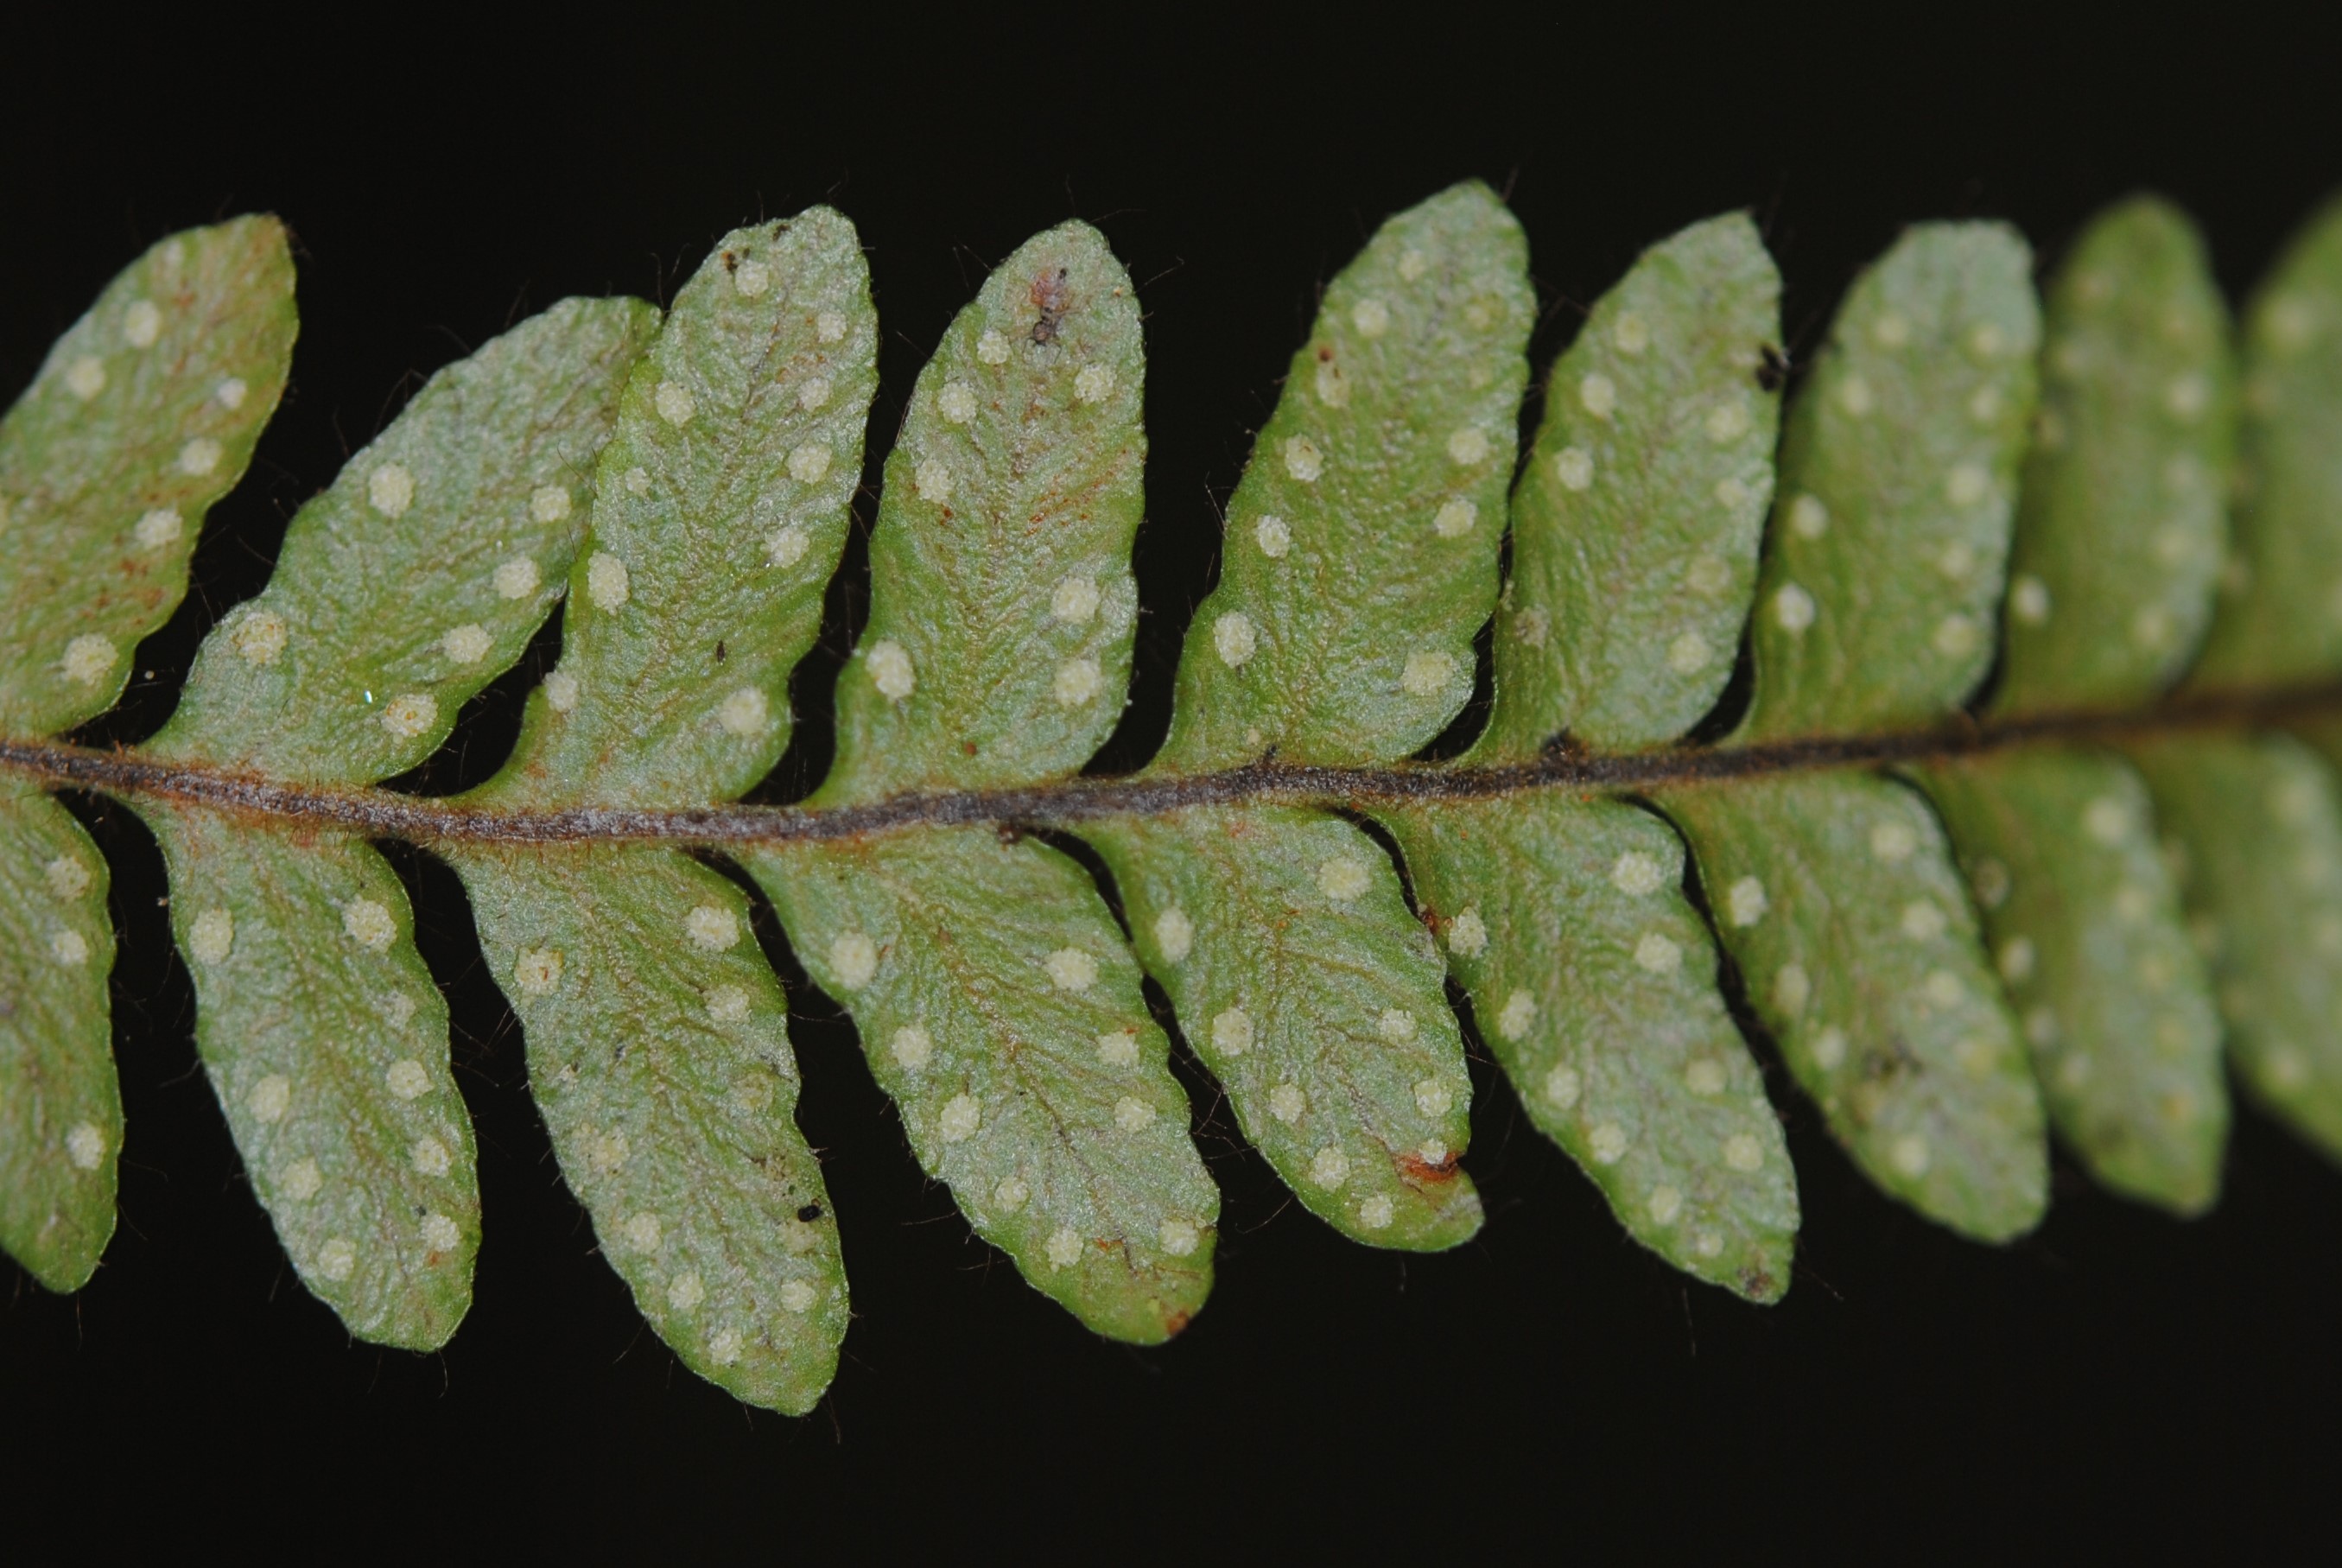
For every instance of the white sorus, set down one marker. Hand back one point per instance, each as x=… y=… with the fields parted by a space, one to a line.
x=960 y=1118
x=1232 y=1033
x=1371 y=317
x=1095 y=384
x=537 y=971
x=1658 y=953
x=1532 y=625
x=1302 y=460
x=1133 y=1114
x=301 y=1181
x=368 y=924
x=712 y=927
x=1598 y=396
x=991 y=348
x=212 y=935
x=797 y=1296
x=337 y=1259
x=2106 y=819
x=1232 y=638
x=786 y=546
x=685 y=1292
x=1967 y=484
x=853 y=959
x=260 y=636
x=1012 y=1193
x=1562 y=1087
x=814 y=392
x=410 y=714
x=891 y=671
x=911 y=1047
x=1071 y=969
x=1990 y=880
x=1705 y=1076
x=750 y=279
x=84 y=1147
x=1809 y=518
x=1573 y=467
x=2028 y=599
x=467 y=644
x=1983 y=405
x=1829 y=1048
x=1065 y=1247
x=1178 y=1237
x=2016 y=961
x=1727 y=421
x=1707 y=1244
x=1730 y=494
x=1333 y=385
x=1342 y=877
x=1467 y=933
x=548 y=503
x=1608 y=1143
x=1455 y=519
x=829 y=327
x=1413 y=265
x=1666 y=1204
x=87 y=658
x=1854 y=396
x=608 y=581
x=636 y=479
x=1286 y=1102
x=644 y=1232
x=70 y=948
x=390 y=489
x=1631 y=333
x=1635 y=873
x=517 y=578
x=158 y=527
x=1078 y=682
x=1742 y=1152
x=270 y=1098
x=1746 y=901
x=2188 y=396
x=1174 y=934
x=744 y=713
x=1273 y=537
x=1426 y=675
x=406 y=1079
x=68 y=877
x=1689 y=652
x=933 y=481
x=142 y=324
x=674 y=403
x=1396 y=1024
x=1433 y=1098
x=957 y=402
x=561 y=692
x=429 y=1157
x=1942 y=988
x=1118 y=1048
x=86 y=377
x=1513 y=1020
x=1893 y=841
x=809 y=463
x=1791 y=988
x=1891 y=329
x=1329 y=1168
x=1909 y=1155
x=1467 y=446
x=1377 y=1212
x=1957 y=636
x=1075 y=599
x=1793 y=608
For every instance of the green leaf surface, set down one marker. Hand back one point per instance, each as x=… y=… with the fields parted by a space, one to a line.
x=60 y=1105
x=1836 y=895
x=144 y=414
x=2256 y=828
x=326 y=1044
x=1002 y=603
x=1594 y=980
x=2279 y=617
x=1305 y=985
x=1000 y=1007
x=658 y=1053
x=1637 y=516
x=1898 y=476
x=423 y=571
x=2084 y=923
x=2123 y=517
x=719 y=509
x=1361 y=552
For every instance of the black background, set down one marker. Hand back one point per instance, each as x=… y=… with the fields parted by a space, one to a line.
x=2116 y=1372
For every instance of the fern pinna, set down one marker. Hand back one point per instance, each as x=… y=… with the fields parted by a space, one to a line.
x=2019 y=816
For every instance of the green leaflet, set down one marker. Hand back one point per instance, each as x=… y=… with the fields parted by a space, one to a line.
x=995 y=999
x=656 y=1032
x=1835 y=893
x=1286 y=946
x=1000 y=1007
x=144 y=414
x=1635 y=524
x=2255 y=830
x=1361 y=550
x=2123 y=517
x=720 y=507
x=2084 y=923
x=327 y=1045
x=1898 y=470
x=318 y=1024
x=1594 y=980
x=60 y=1105
x=2278 y=619
x=658 y=1053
